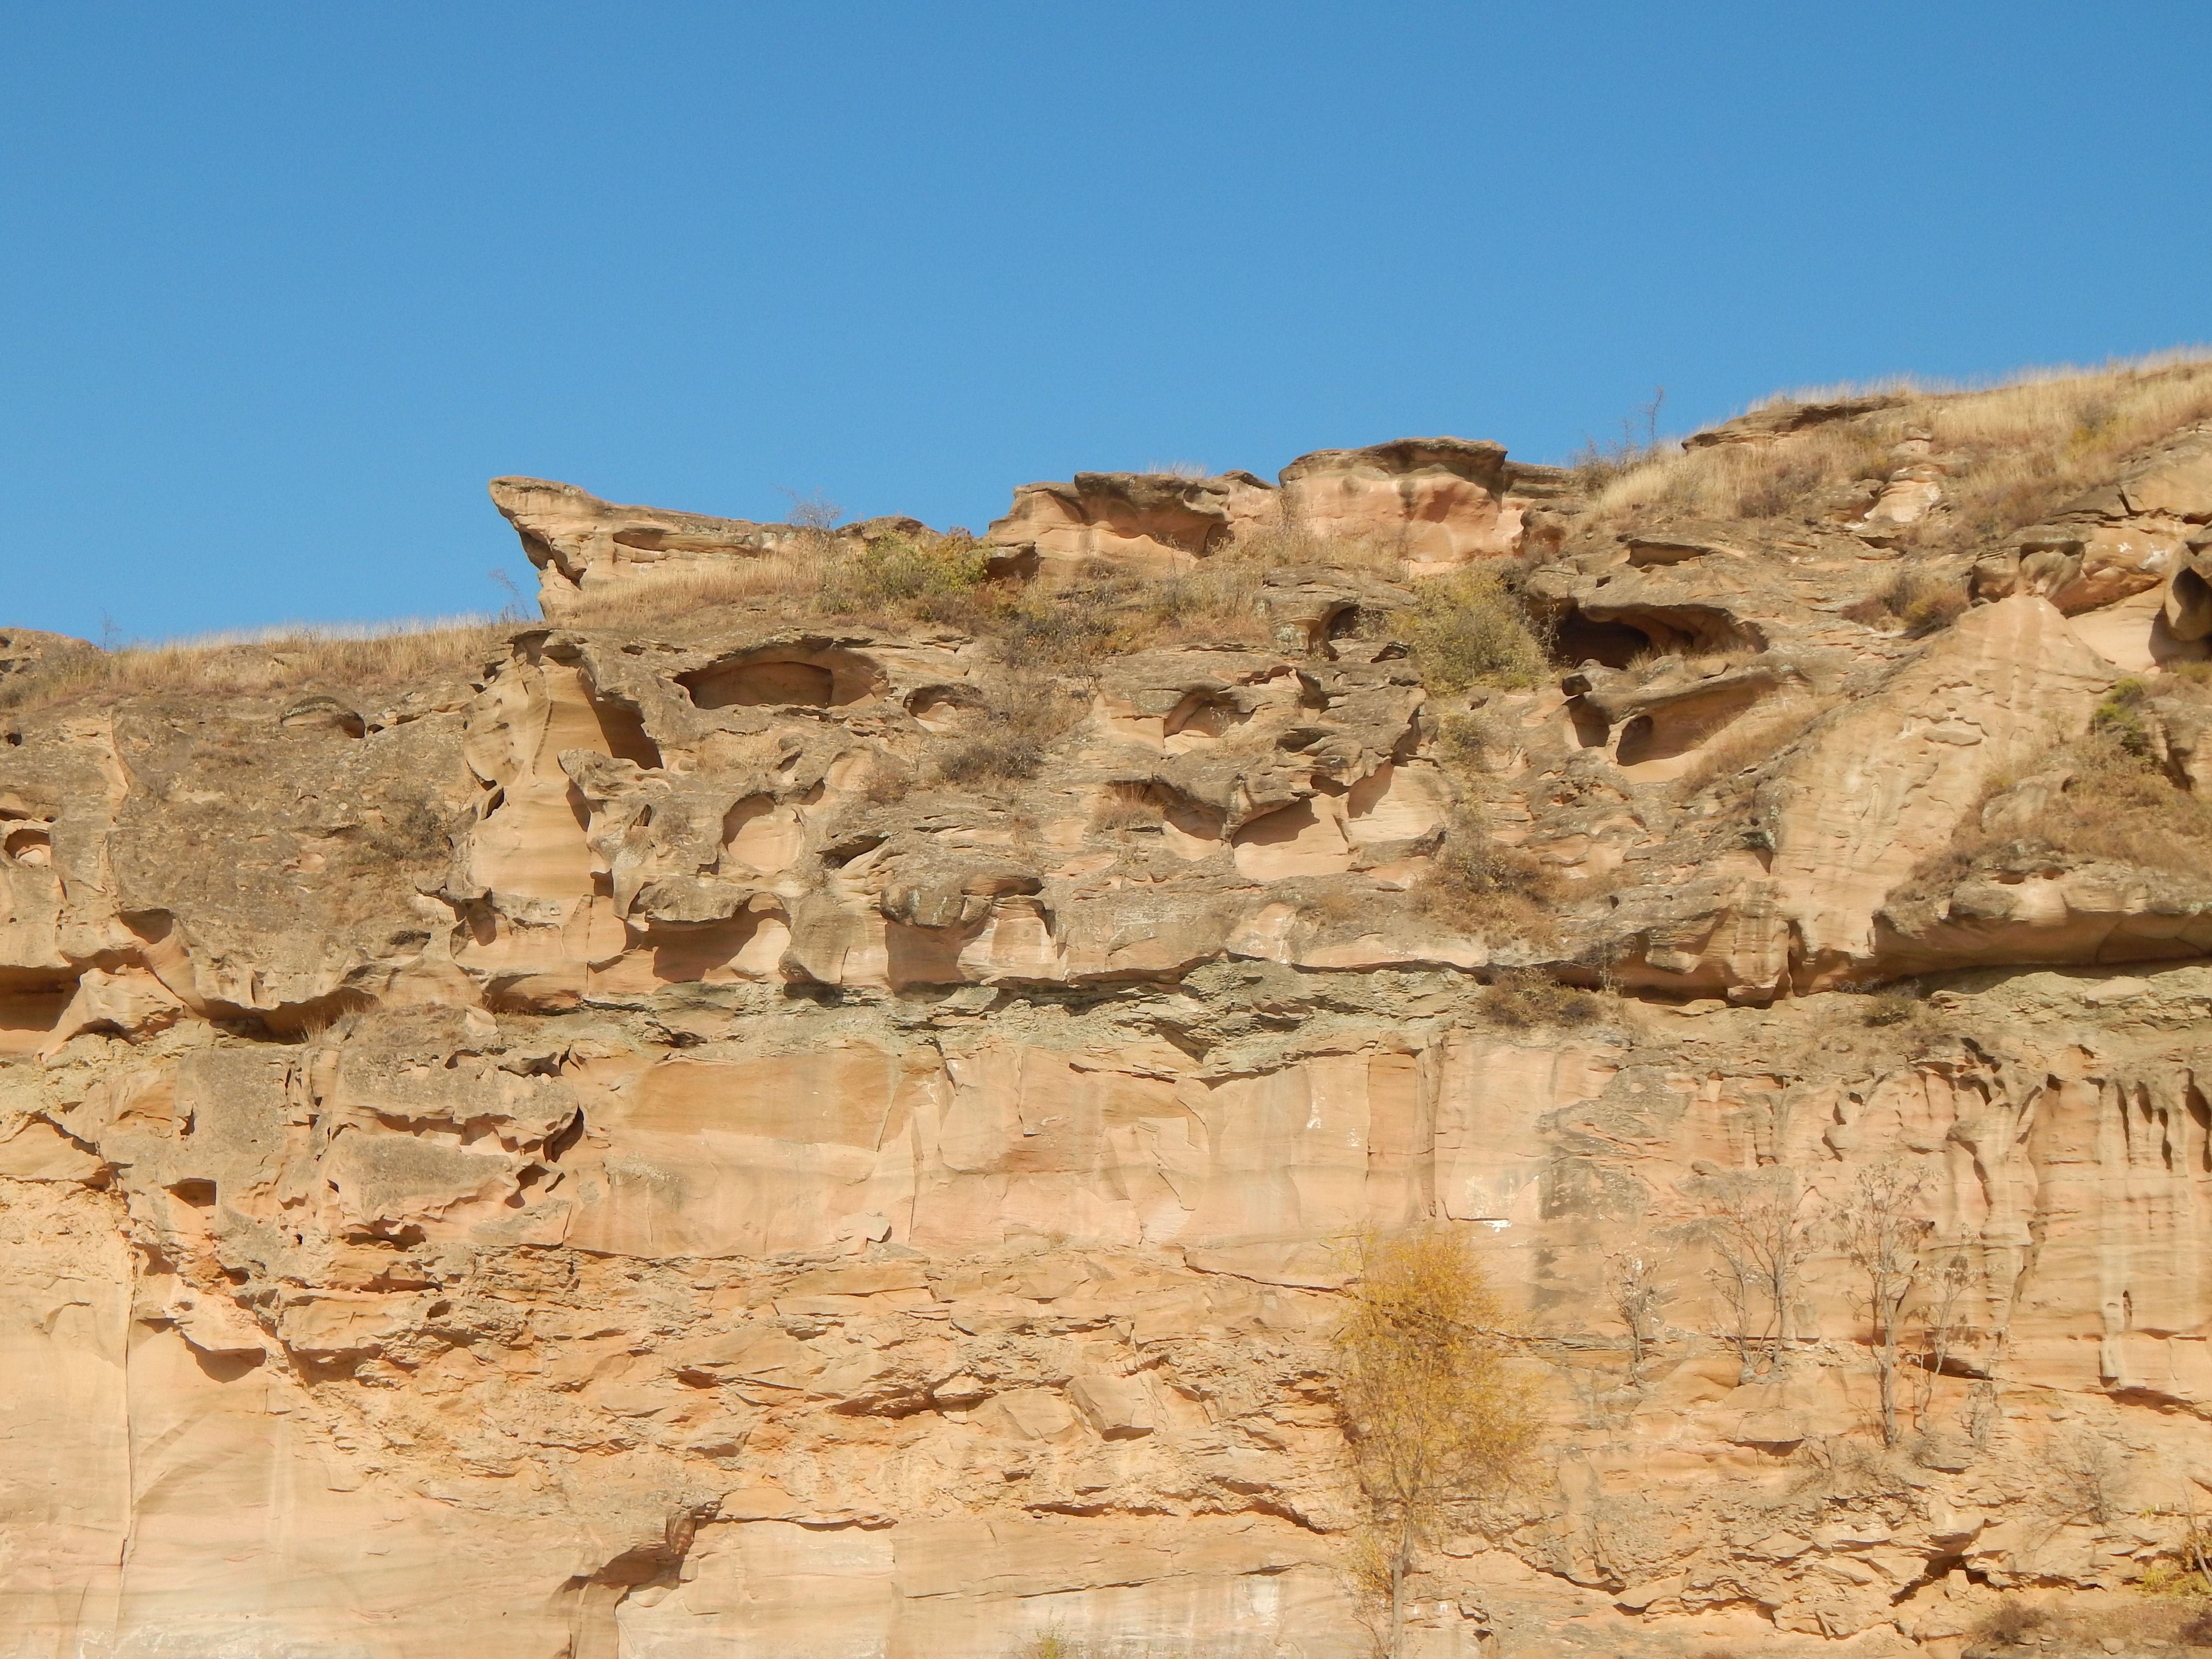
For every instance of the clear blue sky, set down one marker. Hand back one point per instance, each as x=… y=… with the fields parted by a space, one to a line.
x=282 y=285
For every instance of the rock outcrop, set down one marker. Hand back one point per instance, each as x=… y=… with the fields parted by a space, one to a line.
x=1434 y=502
x=585 y=548
x=2129 y=557
x=741 y=1133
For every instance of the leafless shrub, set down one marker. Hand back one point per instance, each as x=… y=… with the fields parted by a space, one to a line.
x=1597 y=465
x=1760 y=1233
x=1882 y=1231
x=2013 y=1622
x=814 y=512
x=1639 y=1301
x=1942 y=1318
x=2087 y=1475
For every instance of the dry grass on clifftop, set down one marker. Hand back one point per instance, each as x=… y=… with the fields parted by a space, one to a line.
x=947 y=580
x=358 y=662
x=2008 y=456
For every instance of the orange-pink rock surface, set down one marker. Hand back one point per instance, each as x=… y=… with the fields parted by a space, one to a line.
x=605 y=1152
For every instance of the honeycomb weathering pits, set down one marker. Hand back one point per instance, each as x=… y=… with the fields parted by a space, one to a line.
x=609 y=1150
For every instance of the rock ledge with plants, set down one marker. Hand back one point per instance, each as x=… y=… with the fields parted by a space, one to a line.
x=860 y=1089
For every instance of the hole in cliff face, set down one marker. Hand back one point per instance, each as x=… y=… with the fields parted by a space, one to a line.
x=199 y=1193
x=625 y=731
x=28 y=1012
x=578 y=716
x=1576 y=640
x=761 y=834
x=1297 y=840
x=1681 y=726
x=31 y=844
x=2190 y=607
x=784 y=678
x=564 y=1140
x=1204 y=715
x=758 y=684
x=322 y=714
x=745 y=946
x=943 y=707
x=226 y=1367
x=1615 y=637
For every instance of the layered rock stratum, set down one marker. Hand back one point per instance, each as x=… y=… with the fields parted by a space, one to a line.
x=820 y=1100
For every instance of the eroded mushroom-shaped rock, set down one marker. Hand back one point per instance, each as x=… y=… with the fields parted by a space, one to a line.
x=1152 y=522
x=585 y=548
x=1435 y=502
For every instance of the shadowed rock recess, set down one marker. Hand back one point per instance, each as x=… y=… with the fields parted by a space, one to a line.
x=817 y=1104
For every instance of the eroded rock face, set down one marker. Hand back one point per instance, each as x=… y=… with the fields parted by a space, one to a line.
x=615 y=1153
x=1434 y=502
x=2143 y=534
x=585 y=548
x=1153 y=523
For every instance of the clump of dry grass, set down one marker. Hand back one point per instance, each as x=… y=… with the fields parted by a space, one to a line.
x=947 y=580
x=2013 y=453
x=357 y=661
x=1486 y=887
x=1916 y=601
x=773 y=581
x=1525 y=997
x=1654 y=661
x=1468 y=628
x=815 y=573
x=1292 y=545
x=1896 y=1020
x=928 y=578
x=1596 y=465
x=2113 y=801
x=2080 y=1624
x=2117 y=802
x=1467 y=741
x=1128 y=806
x=1026 y=712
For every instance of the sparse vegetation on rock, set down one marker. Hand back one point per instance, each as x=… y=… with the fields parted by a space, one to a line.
x=1434 y=1416
x=811 y=1096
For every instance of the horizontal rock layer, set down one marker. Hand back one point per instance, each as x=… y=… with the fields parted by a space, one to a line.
x=711 y=1136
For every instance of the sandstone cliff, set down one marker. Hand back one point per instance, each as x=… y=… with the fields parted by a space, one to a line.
x=813 y=1104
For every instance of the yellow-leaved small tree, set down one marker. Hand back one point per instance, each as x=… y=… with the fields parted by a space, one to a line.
x=1433 y=1415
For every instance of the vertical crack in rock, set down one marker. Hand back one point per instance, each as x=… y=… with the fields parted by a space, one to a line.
x=813 y=1103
